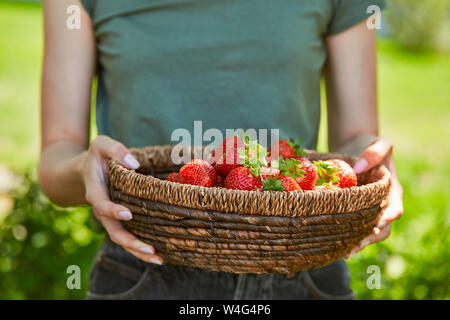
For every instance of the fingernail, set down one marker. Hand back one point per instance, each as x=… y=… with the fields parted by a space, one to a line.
x=381 y=225
x=360 y=165
x=155 y=261
x=365 y=244
x=147 y=250
x=125 y=215
x=131 y=161
x=349 y=256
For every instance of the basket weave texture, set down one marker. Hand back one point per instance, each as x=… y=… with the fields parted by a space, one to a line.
x=245 y=231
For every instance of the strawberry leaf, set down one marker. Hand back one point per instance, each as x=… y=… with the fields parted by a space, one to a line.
x=272 y=183
x=291 y=168
x=253 y=154
x=297 y=146
x=326 y=173
x=255 y=170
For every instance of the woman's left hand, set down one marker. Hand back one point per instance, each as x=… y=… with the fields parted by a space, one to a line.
x=380 y=152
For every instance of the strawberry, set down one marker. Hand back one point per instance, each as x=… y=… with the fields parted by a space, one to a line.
x=308 y=180
x=242 y=178
x=173 y=177
x=198 y=172
x=346 y=174
x=299 y=168
x=290 y=184
x=336 y=172
x=283 y=183
x=226 y=157
x=252 y=159
x=286 y=149
x=266 y=172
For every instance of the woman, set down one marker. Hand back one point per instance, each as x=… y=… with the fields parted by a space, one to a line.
x=163 y=64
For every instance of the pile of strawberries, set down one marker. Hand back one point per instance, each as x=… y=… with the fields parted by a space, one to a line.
x=243 y=164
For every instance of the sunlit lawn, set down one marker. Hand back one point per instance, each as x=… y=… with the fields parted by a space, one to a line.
x=20 y=63
x=415 y=113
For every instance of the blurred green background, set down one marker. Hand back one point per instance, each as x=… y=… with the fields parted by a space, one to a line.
x=39 y=240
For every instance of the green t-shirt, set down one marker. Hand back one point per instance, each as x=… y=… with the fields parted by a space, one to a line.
x=163 y=64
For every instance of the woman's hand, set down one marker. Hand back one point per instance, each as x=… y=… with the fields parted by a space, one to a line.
x=380 y=151
x=101 y=150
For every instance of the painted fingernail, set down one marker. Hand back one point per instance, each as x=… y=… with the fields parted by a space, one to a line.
x=131 y=161
x=149 y=250
x=155 y=261
x=360 y=165
x=365 y=244
x=381 y=225
x=125 y=215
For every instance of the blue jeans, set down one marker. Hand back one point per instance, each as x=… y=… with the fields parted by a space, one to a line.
x=117 y=274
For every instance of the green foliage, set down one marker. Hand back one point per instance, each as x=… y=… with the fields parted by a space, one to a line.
x=38 y=241
x=418 y=24
x=19 y=71
x=415 y=260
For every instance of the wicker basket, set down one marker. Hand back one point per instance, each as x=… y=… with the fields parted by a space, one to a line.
x=245 y=231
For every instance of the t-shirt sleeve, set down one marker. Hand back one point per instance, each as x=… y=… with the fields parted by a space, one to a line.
x=88 y=5
x=347 y=13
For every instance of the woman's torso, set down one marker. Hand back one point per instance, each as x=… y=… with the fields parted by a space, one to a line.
x=231 y=64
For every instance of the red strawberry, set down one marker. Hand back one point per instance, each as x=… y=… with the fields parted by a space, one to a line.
x=346 y=174
x=198 y=172
x=226 y=157
x=290 y=184
x=301 y=169
x=281 y=148
x=241 y=178
x=308 y=180
x=285 y=149
x=336 y=172
x=173 y=177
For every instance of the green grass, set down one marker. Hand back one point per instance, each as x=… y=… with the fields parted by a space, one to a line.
x=414 y=100
x=20 y=66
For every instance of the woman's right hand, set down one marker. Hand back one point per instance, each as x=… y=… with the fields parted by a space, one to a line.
x=94 y=175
